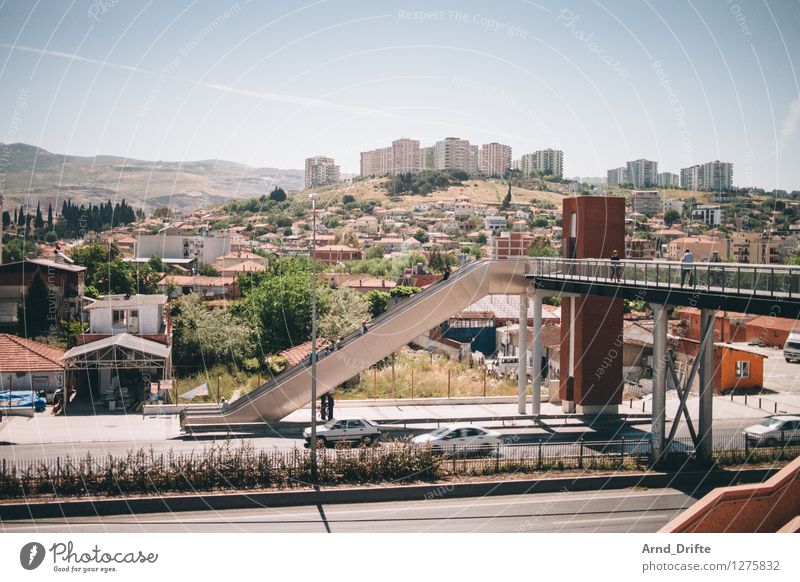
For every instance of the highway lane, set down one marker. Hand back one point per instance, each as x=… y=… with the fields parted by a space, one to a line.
x=627 y=510
x=724 y=429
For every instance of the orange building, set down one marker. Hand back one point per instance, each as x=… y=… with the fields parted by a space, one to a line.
x=729 y=326
x=336 y=254
x=734 y=368
x=771 y=331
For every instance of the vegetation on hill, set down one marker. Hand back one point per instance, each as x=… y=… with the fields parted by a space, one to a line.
x=422 y=183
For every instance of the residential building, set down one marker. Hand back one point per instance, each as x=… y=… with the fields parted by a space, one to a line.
x=546 y=162
x=646 y=201
x=709 y=214
x=182 y=249
x=406 y=156
x=747 y=247
x=704 y=248
x=29 y=365
x=336 y=254
x=673 y=204
x=640 y=249
x=617 y=177
x=495 y=223
x=453 y=153
x=126 y=352
x=668 y=180
x=494 y=159
x=64 y=281
x=515 y=244
x=716 y=176
x=642 y=173
x=428 y=158
x=771 y=331
x=209 y=288
x=321 y=171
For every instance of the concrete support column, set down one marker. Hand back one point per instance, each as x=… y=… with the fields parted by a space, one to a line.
x=538 y=353
x=706 y=365
x=659 y=400
x=522 y=372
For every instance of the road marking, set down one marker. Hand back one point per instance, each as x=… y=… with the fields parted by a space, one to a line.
x=608 y=519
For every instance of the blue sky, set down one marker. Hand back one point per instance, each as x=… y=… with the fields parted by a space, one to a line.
x=272 y=83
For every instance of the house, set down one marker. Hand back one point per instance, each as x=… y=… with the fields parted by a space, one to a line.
x=336 y=254
x=770 y=331
x=126 y=353
x=238 y=257
x=735 y=368
x=209 y=288
x=729 y=326
x=30 y=365
x=64 y=281
x=247 y=266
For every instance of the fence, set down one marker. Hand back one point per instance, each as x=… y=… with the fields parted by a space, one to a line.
x=243 y=467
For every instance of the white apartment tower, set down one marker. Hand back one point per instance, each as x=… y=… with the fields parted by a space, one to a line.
x=716 y=176
x=668 y=180
x=406 y=156
x=321 y=171
x=642 y=173
x=453 y=153
x=617 y=176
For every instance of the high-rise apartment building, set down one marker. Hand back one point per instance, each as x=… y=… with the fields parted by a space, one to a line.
x=668 y=180
x=494 y=159
x=453 y=153
x=321 y=171
x=547 y=162
x=428 y=158
x=716 y=176
x=642 y=173
x=617 y=176
x=406 y=156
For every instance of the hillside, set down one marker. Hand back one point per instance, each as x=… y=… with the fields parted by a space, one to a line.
x=35 y=175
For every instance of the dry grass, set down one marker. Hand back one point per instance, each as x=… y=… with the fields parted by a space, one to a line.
x=228 y=382
x=429 y=379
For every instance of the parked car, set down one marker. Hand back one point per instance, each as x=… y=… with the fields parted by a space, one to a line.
x=791 y=349
x=775 y=430
x=349 y=430
x=460 y=438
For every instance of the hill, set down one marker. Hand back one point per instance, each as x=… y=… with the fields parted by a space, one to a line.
x=34 y=175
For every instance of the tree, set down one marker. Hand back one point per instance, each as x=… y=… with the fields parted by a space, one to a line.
x=17 y=249
x=482 y=239
x=162 y=212
x=157 y=264
x=6 y=219
x=38 y=222
x=50 y=237
x=277 y=194
x=438 y=260
x=345 y=311
x=507 y=200
x=374 y=252
x=421 y=236
x=34 y=311
x=348 y=199
x=50 y=215
x=203 y=338
x=671 y=216
x=403 y=291
x=542 y=250
x=208 y=270
x=378 y=302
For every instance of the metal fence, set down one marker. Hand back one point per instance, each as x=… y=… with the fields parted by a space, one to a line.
x=244 y=467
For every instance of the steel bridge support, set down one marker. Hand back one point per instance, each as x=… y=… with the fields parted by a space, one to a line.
x=522 y=372
x=705 y=355
x=658 y=429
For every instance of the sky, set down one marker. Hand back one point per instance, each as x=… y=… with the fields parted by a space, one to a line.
x=269 y=83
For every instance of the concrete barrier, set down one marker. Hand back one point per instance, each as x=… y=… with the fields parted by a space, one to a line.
x=765 y=507
x=378 y=493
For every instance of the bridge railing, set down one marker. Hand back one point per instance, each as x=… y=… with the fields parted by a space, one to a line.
x=740 y=278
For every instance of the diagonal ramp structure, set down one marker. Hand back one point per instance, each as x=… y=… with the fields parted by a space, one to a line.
x=291 y=390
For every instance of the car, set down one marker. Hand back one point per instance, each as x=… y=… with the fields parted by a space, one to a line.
x=354 y=430
x=791 y=349
x=459 y=438
x=775 y=430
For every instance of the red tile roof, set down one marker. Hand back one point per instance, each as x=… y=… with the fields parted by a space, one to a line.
x=23 y=355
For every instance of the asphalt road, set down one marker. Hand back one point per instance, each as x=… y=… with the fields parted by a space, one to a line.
x=723 y=430
x=627 y=510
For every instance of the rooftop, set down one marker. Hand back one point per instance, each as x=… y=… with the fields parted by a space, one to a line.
x=24 y=355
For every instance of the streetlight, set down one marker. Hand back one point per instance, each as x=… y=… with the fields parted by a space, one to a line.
x=313 y=196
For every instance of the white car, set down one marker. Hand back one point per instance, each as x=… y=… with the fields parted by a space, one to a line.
x=350 y=430
x=462 y=438
x=775 y=430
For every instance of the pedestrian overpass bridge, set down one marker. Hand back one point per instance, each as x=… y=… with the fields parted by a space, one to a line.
x=758 y=289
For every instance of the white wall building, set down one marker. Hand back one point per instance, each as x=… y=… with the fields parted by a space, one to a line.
x=203 y=249
x=321 y=171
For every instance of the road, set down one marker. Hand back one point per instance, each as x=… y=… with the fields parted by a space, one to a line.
x=723 y=430
x=627 y=510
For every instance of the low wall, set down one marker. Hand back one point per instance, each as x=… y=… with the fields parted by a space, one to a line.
x=765 y=507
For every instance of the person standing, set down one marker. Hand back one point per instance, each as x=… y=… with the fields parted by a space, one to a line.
x=615 y=266
x=446 y=272
x=329 y=396
x=363 y=328
x=686 y=267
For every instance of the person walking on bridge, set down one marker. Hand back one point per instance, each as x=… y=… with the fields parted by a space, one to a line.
x=686 y=267
x=616 y=268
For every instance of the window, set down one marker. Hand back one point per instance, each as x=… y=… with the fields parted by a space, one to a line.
x=117 y=317
x=355 y=424
x=742 y=369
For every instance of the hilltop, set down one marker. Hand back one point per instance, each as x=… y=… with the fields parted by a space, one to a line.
x=34 y=175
